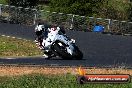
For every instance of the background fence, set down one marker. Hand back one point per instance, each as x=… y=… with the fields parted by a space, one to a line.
x=29 y=16
x=17 y=15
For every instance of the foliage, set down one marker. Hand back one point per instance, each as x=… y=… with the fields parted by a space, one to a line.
x=130 y=12
x=80 y=7
x=4 y=2
x=113 y=9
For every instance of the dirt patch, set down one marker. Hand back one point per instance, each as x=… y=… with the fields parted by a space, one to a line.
x=15 y=71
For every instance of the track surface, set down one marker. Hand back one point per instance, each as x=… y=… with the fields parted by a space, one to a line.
x=99 y=49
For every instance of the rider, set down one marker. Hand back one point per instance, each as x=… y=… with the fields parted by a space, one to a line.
x=52 y=28
x=41 y=33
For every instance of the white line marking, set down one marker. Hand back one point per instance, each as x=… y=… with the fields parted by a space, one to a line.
x=19 y=38
x=25 y=39
x=13 y=37
x=10 y=58
x=8 y=36
x=2 y=35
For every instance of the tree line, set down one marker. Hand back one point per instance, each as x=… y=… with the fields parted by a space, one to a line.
x=113 y=9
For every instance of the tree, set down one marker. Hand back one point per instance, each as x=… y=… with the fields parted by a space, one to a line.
x=113 y=9
x=80 y=7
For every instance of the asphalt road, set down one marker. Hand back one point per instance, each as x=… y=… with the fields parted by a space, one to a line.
x=98 y=49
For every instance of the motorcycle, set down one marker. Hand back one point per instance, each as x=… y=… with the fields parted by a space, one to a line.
x=59 y=44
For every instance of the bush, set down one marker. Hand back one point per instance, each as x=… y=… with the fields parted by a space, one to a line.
x=4 y=2
x=80 y=7
x=113 y=9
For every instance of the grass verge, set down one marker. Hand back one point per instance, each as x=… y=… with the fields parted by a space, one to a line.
x=52 y=81
x=46 y=77
x=17 y=47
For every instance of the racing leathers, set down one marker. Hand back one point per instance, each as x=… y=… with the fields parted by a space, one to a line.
x=42 y=35
x=39 y=29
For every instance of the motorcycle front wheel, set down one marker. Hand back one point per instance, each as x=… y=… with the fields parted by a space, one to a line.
x=77 y=54
x=60 y=48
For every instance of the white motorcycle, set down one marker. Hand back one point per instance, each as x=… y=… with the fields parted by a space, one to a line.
x=59 y=44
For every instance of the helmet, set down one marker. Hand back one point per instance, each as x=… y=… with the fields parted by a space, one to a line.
x=40 y=27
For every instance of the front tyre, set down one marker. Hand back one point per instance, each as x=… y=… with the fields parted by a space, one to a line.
x=60 y=48
x=77 y=53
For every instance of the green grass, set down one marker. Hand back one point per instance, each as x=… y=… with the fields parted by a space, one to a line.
x=52 y=81
x=17 y=47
